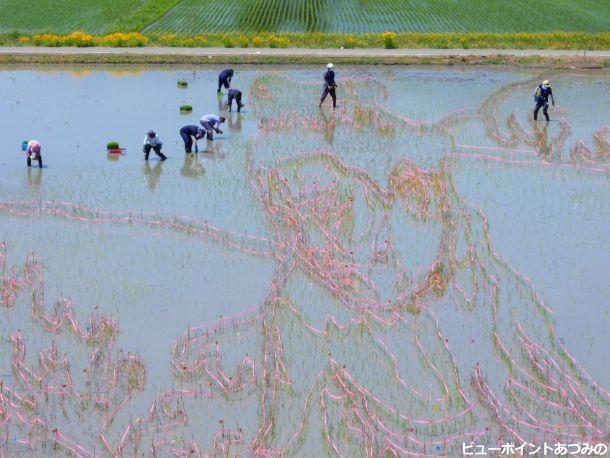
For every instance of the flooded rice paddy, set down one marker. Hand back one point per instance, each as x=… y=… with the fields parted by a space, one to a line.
x=422 y=268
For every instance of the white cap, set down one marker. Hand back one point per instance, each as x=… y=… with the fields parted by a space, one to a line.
x=330 y=66
x=545 y=82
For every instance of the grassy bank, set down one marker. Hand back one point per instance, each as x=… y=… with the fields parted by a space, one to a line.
x=144 y=59
x=572 y=40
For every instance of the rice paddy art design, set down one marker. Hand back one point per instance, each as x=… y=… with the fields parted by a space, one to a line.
x=391 y=326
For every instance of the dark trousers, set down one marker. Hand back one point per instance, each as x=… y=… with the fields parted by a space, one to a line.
x=544 y=104
x=237 y=98
x=157 y=150
x=209 y=130
x=226 y=82
x=38 y=158
x=333 y=94
x=188 y=141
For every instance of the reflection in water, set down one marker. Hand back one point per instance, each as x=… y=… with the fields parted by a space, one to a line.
x=153 y=174
x=113 y=157
x=34 y=178
x=222 y=104
x=80 y=72
x=234 y=122
x=191 y=168
x=213 y=150
x=125 y=72
x=542 y=140
x=329 y=124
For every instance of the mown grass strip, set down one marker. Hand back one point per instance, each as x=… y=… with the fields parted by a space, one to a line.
x=142 y=59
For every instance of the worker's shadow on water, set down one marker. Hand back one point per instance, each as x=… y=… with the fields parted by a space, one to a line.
x=212 y=150
x=152 y=174
x=330 y=126
x=34 y=178
x=234 y=122
x=222 y=104
x=191 y=168
x=543 y=145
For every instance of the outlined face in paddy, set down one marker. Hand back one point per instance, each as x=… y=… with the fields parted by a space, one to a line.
x=448 y=349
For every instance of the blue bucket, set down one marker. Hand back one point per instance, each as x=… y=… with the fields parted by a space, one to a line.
x=24 y=146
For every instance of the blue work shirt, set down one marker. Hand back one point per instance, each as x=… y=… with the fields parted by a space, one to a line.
x=544 y=93
x=211 y=119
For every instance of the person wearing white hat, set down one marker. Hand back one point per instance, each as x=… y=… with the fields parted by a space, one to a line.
x=330 y=86
x=541 y=96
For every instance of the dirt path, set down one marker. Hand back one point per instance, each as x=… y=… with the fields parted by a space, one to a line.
x=303 y=52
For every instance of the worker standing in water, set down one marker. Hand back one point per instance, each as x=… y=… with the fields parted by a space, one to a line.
x=33 y=150
x=224 y=79
x=152 y=141
x=211 y=123
x=541 y=96
x=234 y=94
x=188 y=133
x=330 y=86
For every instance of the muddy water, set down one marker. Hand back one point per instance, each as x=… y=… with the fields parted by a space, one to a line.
x=545 y=207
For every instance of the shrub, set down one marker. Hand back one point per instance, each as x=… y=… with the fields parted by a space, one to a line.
x=186 y=108
x=390 y=40
x=350 y=42
x=242 y=41
x=167 y=39
x=200 y=41
x=121 y=40
x=182 y=83
x=278 y=42
x=258 y=42
x=47 y=40
x=112 y=145
x=227 y=42
x=78 y=39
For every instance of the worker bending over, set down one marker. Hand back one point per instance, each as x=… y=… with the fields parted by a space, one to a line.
x=211 y=123
x=234 y=94
x=33 y=151
x=152 y=141
x=188 y=133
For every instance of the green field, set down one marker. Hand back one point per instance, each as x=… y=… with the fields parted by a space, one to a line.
x=362 y=16
x=346 y=16
x=92 y=16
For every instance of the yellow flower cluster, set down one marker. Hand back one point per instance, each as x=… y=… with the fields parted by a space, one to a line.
x=122 y=40
x=389 y=40
x=83 y=40
x=278 y=42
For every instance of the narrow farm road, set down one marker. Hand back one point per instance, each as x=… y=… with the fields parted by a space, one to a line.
x=303 y=52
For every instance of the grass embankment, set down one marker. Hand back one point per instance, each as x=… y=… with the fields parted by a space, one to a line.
x=573 y=40
x=165 y=59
